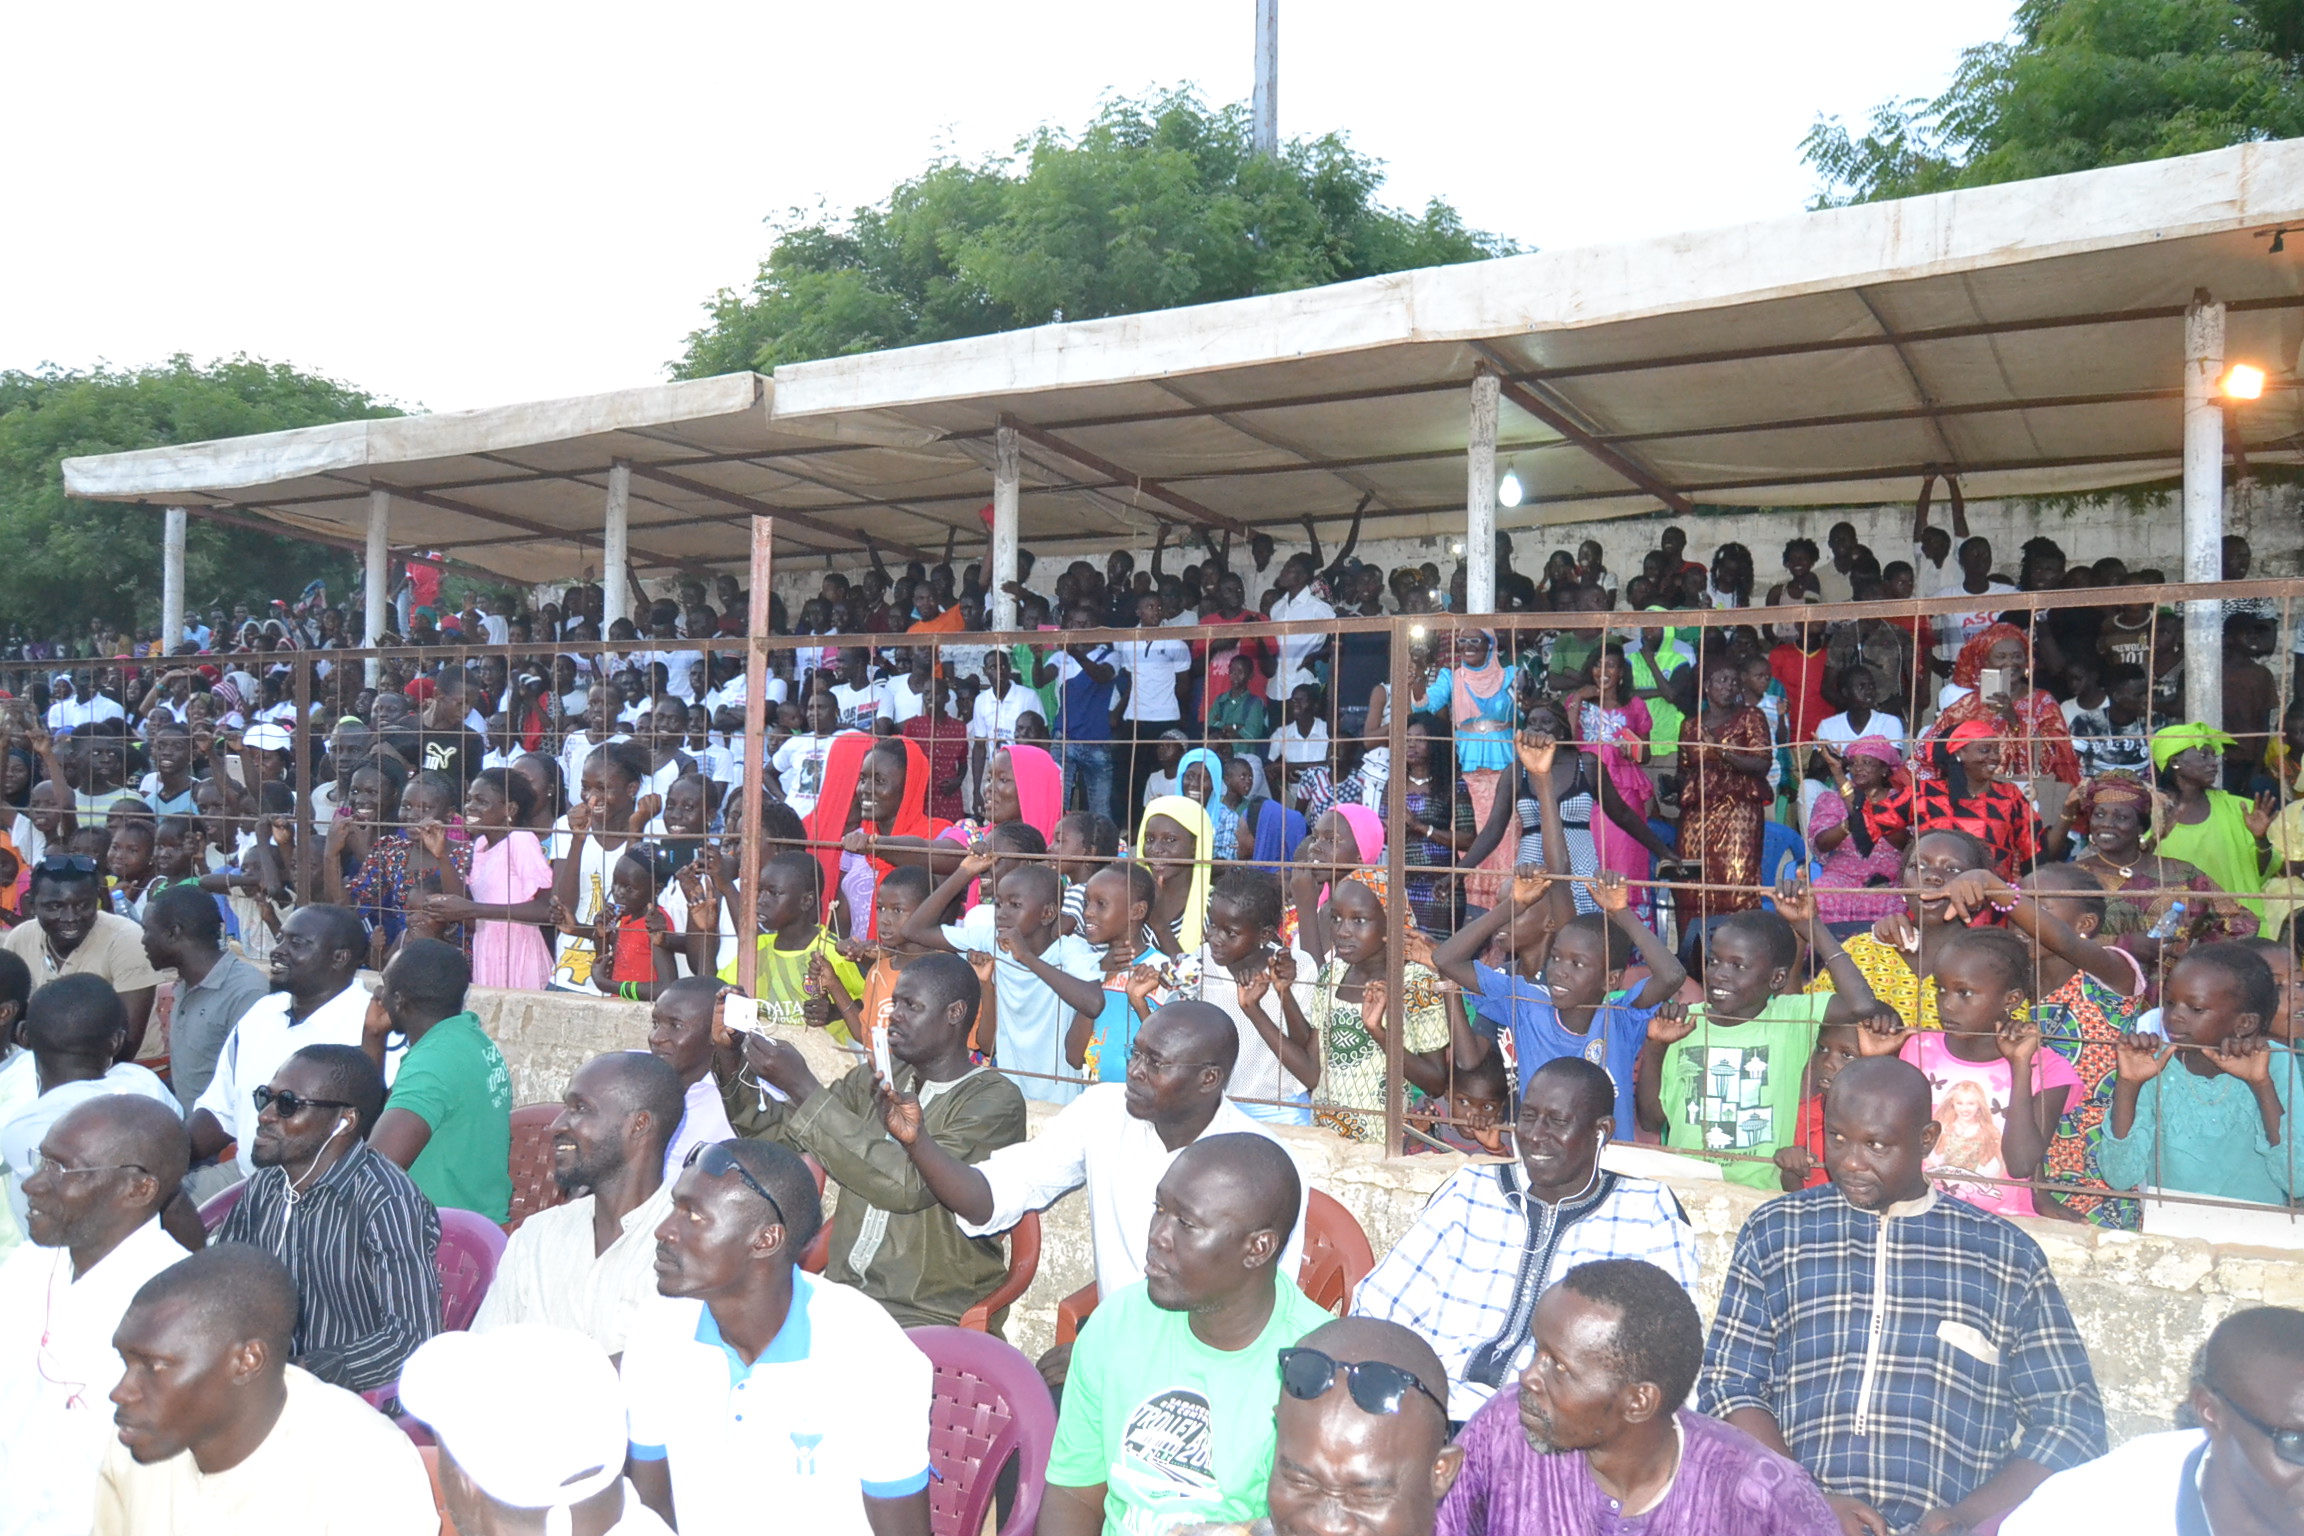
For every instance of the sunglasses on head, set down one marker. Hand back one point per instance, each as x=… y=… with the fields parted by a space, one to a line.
x=1376 y=1387
x=290 y=1104
x=715 y=1159
x=2287 y=1444
x=66 y=864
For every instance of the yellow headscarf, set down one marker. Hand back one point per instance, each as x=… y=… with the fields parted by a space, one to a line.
x=1192 y=816
x=2169 y=740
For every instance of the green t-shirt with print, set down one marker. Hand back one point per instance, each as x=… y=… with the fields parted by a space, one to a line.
x=1736 y=1088
x=454 y=1080
x=1177 y=1432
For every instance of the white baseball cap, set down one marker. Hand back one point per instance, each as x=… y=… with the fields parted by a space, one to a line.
x=532 y=1414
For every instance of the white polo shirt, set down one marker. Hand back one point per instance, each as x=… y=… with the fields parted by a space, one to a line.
x=835 y=1409
x=262 y=1040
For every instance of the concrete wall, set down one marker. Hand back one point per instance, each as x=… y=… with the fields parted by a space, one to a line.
x=2144 y=1304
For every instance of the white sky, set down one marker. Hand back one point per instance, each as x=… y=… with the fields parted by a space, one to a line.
x=458 y=205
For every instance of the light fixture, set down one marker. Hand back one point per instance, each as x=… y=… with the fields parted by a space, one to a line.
x=2242 y=382
x=1456 y=547
x=1509 y=490
x=2279 y=241
x=1416 y=632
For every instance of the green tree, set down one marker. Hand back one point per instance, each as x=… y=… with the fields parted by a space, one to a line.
x=1158 y=203
x=78 y=560
x=2080 y=84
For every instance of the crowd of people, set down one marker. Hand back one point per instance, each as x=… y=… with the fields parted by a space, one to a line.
x=1921 y=921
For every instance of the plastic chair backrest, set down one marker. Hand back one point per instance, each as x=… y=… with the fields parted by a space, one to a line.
x=990 y=1405
x=1023 y=1264
x=470 y=1245
x=216 y=1207
x=1337 y=1256
x=819 y=1251
x=431 y=1455
x=533 y=1187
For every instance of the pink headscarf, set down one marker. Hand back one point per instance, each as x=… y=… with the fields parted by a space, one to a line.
x=1367 y=830
x=1039 y=786
x=1879 y=748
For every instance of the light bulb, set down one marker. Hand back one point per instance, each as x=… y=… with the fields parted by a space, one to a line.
x=2242 y=382
x=1508 y=490
x=1456 y=547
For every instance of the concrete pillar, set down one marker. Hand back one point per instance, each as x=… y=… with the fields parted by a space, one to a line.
x=377 y=577
x=615 y=548
x=1007 y=471
x=1480 y=497
x=172 y=582
x=2203 y=509
x=1264 y=104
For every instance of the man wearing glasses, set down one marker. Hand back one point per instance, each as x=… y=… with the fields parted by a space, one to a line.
x=2240 y=1474
x=358 y=1237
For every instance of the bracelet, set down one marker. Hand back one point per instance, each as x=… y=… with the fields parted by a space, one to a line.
x=629 y=991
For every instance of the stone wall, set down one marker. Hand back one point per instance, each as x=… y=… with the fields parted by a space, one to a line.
x=2143 y=1304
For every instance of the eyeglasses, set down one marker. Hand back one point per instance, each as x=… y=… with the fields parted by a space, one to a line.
x=49 y=1168
x=2287 y=1444
x=290 y=1104
x=66 y=864
x=715 y=1159
x=1153 y=1065
x=1376 y=1387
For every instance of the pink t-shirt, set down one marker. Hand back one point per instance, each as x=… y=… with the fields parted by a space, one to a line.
x=1971 y=1109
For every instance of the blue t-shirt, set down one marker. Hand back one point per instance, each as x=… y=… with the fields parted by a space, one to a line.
x=1538 y=1036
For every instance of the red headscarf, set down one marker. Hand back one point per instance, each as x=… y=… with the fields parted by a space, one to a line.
x=828 y=821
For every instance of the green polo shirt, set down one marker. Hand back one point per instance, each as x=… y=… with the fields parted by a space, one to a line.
x=454 y=1080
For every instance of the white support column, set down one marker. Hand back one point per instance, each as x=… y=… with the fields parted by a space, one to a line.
x=376 y=577
x=1264 y=104
x=615 y=550
x=1480 y=497
x=1007 y=470
x=2203 y=509
x=172 y=582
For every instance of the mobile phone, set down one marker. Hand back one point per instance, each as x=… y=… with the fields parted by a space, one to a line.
x=881 y=1062
x=1994 y=681
x=740 y=1014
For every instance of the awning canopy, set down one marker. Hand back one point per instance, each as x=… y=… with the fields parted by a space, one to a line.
x=2028 y=336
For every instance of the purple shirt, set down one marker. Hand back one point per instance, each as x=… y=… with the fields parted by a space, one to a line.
x=1728 y=1485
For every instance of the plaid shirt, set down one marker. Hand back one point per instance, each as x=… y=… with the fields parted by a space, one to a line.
x=1468 y=1274
x=1906 y=1358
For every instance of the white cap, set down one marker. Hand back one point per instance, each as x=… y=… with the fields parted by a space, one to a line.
x=532 y=1414
x=268 y=737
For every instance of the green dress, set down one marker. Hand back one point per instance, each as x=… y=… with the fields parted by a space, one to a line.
x=2222 y=848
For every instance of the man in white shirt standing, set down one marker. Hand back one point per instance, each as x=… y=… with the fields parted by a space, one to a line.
x=105 y=1172
x=1934 y=572
x=1298 y=602
x=1151 y=707
x=79 y=704
x=1954 y=630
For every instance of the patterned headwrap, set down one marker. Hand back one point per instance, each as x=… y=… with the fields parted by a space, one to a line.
x=1969 y=669
x=2169 y=740
x=2120 y=788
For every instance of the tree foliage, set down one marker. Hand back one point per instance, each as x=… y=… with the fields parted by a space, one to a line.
x=73 y=560
x=2080 y=84
x=1158 y=203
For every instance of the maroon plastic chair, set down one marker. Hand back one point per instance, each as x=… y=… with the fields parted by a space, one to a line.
x=216 y=1207
x=819 y=1251
x=470 y=1245
x=1023 y=1264
x=990 y=1406
x=533 y=1187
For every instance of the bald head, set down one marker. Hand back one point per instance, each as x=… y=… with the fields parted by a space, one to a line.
x=635 y=1083
x=1352 y=1339
x=1394 y=1468
x=130 y=1129
x=1198 y=1031
x=1248 y=1175
x=1893 y=1085
x=1879 y=1128
x=229 y=1294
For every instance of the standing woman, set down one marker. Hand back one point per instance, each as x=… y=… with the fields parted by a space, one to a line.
x=1724 y=755
x=891 y=820
x=1614 y=727
x=510 y=889
x=1477 y=692
x=2225 y=836
x=2034 y=741
x=1439 y=825
x=1175 y=839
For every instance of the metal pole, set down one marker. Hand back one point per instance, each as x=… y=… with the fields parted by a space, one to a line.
x=1265 y=104
x=1400 y=702
x=1007 y=469
x=1480 y=496
x=755 y=751
x=378 y=576
x=615 y=551
x=2203 y=509
x=305 y=742
x=172 y=582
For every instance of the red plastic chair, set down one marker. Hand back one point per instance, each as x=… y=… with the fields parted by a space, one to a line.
x=533 y=1187
x=1023 y=1264
x=990 y=1406
x=1337 y=1257
x=216 y=1207
x=431 y=1455
x=470 y=1245
x=819 y=1247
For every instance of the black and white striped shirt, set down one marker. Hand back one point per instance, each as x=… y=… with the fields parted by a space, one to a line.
x=362 y=1244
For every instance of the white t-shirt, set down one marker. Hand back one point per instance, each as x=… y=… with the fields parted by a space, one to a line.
x=1297 y=748
x=680 y=669
x=799 y=765
x=2132 y=1491
x=1932 y=580
x=860 y=707
x=1296 y=651
x=834 y=1409
x=20 y=1138
x=1839 y=732
x=995 y=718
x=262 y=1040
x=71 y=714
x=1153 y=667
x=1954 y=630
x=1258 y=1073
x=573 y=953
x=903 y=700
x=573 y=753
x=1033 y=1020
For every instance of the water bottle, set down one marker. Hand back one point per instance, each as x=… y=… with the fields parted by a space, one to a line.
x=2169 y=923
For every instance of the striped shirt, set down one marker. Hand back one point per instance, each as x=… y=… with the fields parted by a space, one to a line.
x=1467 y=1276
x=362 y=1244
x=1907 y=1357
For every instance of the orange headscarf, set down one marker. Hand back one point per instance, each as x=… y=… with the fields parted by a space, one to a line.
x=828 y=822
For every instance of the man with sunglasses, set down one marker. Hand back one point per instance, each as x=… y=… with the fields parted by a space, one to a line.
x=102 y=1176
x=1463 y=1277
x=1363 y=1428
x=2241 y=1473
x=72 y=935
x=359 y=1238
x=1167 y=1417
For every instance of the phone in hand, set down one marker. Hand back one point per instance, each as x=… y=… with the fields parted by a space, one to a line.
x=1994 y=681
x=882 y=1063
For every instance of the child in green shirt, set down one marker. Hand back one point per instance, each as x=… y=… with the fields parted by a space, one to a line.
x=791 y=941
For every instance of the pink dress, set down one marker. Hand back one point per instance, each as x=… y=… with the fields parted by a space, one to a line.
x=1971 y=1108
x=1608 y=732
x=510 y=870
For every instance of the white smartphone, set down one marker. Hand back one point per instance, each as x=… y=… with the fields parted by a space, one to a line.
x=1994 y=681
x=882 y=1063
x=740 y=1014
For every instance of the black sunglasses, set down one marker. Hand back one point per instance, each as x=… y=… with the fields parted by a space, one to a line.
x=2287 y=1444
x=65 y=864
x=1376 y=1386
x=715 y=1159
x=289 y=1104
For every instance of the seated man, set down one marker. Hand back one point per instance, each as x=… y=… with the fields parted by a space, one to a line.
x=1912 y=1415
x=506 y=1468
x=1597 y=1437
x=2236 y=1473
x=890 y=1239
x=1117 y=1139
x=208 y=1390
x=1351 y=1432
x=753 y=1387
x=1460 y=1276
x=75 y=1028
x=590 y=1263
x=71 y=935
x=1167 y=1416
x=102 y=1176
x=360 y=1240
x=448 y=1120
